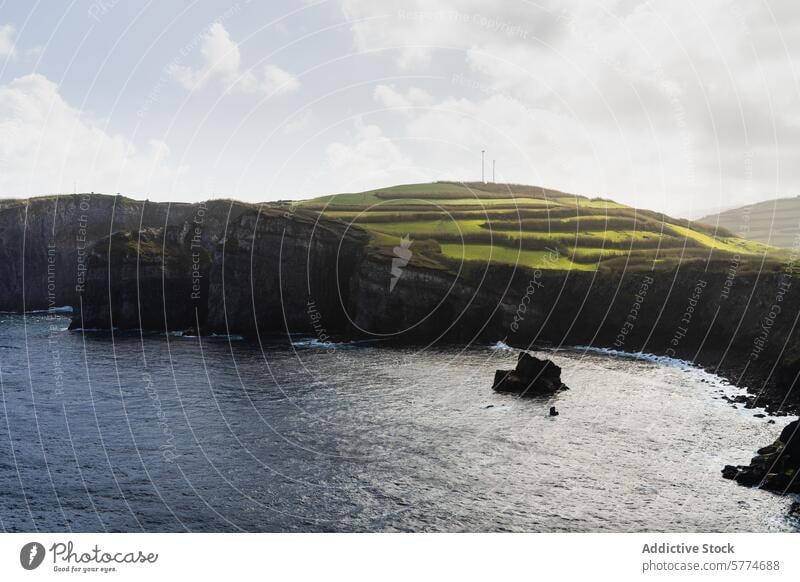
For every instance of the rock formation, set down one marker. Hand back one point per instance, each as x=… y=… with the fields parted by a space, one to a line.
x=775 y=467
x=531 y=377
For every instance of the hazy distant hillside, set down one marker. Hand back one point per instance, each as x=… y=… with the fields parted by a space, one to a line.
x=452 y=222
x=774 y=222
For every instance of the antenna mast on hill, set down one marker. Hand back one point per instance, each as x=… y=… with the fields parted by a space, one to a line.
x=483 y=166
x=493 y=180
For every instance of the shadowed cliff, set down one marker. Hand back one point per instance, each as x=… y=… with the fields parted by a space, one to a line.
x=230 y=267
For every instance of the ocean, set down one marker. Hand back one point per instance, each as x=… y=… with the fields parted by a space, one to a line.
x=150 y=432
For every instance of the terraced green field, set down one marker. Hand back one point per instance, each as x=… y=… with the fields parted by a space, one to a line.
x=454 y=223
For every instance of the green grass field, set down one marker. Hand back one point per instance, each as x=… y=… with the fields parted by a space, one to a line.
x=450 y=223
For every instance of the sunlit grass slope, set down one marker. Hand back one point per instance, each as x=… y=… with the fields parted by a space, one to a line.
x=452 y=223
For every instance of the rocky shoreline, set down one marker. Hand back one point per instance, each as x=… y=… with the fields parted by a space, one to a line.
x=775 y=467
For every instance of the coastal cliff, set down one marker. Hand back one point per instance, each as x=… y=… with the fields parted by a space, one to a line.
x=229 y=267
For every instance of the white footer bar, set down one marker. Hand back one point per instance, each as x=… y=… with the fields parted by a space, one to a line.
x=377 y=557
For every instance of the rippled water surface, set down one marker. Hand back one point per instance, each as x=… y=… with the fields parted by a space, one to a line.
x=172 y=433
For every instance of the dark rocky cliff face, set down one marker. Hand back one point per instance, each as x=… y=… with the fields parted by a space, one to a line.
x=222 y=266
x=230 y=267
x=45 y=242
x=141 y=280
x=272 y=271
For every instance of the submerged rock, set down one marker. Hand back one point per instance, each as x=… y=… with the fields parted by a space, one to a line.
x=729 y=472
x=531 y=377
x=775 y=466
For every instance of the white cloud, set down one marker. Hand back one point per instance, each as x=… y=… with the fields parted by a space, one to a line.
x=222 y=62
x=221 y=58
x=666 y=105
x=416 y=30
x=45 y=145
x=368 y=160
x=7 y=41
x=393 y=99
x=272 y=81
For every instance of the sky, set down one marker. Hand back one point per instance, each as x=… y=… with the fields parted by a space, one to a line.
x=683 y=107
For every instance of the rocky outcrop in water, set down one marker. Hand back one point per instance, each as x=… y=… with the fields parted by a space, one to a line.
x=532 y=377
x=775 y=467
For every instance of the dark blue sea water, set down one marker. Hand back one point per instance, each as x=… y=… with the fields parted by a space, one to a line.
x=156 y=433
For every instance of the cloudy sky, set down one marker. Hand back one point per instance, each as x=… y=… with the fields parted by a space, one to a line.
x=678 y=106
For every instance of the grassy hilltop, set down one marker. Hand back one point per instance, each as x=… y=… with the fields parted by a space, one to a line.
x=451 y=222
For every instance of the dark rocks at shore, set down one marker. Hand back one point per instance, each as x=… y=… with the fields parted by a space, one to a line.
x=775 y=466
x=748 y=401
x=531 y=377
